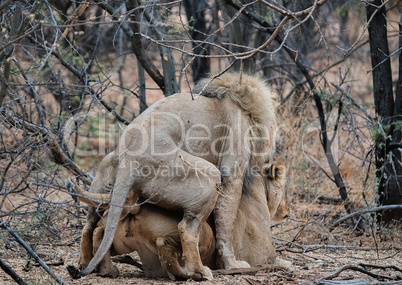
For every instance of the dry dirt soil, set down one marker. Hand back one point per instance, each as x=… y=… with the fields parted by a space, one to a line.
x=314 y=250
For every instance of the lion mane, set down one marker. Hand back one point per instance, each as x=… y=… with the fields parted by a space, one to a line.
x=255 y=97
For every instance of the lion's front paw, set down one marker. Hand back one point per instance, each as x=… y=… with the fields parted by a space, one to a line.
x=205 y=275
x=240 y=264
x=233 y=263
x=111 y=272
x=82 y=263
x=283 y=264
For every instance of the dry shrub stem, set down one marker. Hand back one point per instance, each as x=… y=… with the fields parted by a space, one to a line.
x=59 y=156
x=7 y=269
x=245 y=271
x=364 y=268
x=31 y=252
x=365 y=211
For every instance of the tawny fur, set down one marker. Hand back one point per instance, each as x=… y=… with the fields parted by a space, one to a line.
x=153 y=234
x=257 y=210
x=153 y=231
x=277 y=197
x=246 y=91
x=247 y=107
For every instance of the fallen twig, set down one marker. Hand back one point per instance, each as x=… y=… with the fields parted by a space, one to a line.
x=7 y=269
x=329 y=200
x=356 y=282
x=383 y=267
x=245 y=271
x=52 y=263
x=365 y=211
x=360 y=267
x=31 y=252
x=308 y=248
x=311 y=247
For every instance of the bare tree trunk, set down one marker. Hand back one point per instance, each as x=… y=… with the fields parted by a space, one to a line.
x=168 y=64
x=141 y=92
x=389 y=170
x=241 y=33
x=136 y=41
x=4 y=81
x=15 y=23
x=195 y=12
x=382 y=77
x=398 y=97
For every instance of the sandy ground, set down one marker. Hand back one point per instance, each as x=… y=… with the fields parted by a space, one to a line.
x=313 y=249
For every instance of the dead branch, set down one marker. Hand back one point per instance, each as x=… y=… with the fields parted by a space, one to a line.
x=34 y=94
x=356 y=282
x=319 y=166
x=313 y=247
x=52 y=263
x=293 y=14
x=135 y=38
x=383 y=267
x=329 y=200
x=81 y=77
x=354 y=102
x=59 y=156
x=241 y=56
x=360 y=269
x=4 y=81
x=31 y=252
x=76 y=14
x=365 y=211
x=4 y=4
x=7 y=269
x=245 y=271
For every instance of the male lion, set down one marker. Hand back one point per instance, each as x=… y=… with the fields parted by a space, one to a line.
x=178 y=152
x=152 y=231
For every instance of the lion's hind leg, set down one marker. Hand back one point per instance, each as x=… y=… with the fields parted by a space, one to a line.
x=188 y=229
x=192 y=188
x=86 y=246
x=203 y=182
x=106 y=266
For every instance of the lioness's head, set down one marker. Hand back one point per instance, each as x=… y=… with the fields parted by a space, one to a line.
x=276 y=192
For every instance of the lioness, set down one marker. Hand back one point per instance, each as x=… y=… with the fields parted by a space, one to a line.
x=152 y=231
x=177 y=153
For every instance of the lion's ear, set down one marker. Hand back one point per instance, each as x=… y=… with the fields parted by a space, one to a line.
x=275 y=171
x=269 y=172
